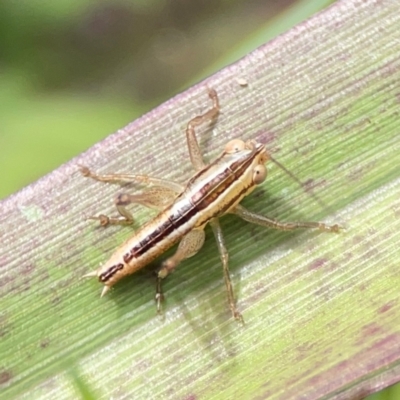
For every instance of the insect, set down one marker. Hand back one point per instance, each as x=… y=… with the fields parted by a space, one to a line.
x=215 y=189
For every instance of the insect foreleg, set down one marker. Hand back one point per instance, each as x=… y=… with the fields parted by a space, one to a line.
x=285 y=226
x=219 y=237
x=189 y=245
x=194 y=150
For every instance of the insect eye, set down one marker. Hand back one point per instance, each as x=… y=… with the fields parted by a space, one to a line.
x=259 y=174
x=234 y=146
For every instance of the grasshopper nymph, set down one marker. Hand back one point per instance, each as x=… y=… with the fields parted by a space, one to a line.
x=214 y=190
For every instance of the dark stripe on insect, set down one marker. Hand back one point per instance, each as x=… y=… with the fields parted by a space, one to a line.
x=211 y=192
x=220 y=182
x=105 y=276
x=160 y=232
x=207 y=167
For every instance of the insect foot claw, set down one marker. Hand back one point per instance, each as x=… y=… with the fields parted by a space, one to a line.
x=85 y=171
x=103 y=219
x=336 y=228
x=211 y=92
x=238 y=317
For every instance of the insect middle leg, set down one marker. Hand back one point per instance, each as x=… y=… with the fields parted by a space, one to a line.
x=194 y=149
x=159 y=196
x=285 y=226
x=219 y=237
x=189 y=245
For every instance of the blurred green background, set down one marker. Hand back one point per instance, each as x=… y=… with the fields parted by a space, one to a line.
x=74 y=71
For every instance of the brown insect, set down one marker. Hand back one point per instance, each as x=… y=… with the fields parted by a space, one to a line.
x=215 y=189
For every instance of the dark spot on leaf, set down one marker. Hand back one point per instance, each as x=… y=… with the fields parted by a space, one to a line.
x=362 y=286
x=5 y=376
x=27 y=269
x=317 y=264
x=371 y=330
x=311 y=184
x=265 y=137
x=385 y=307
